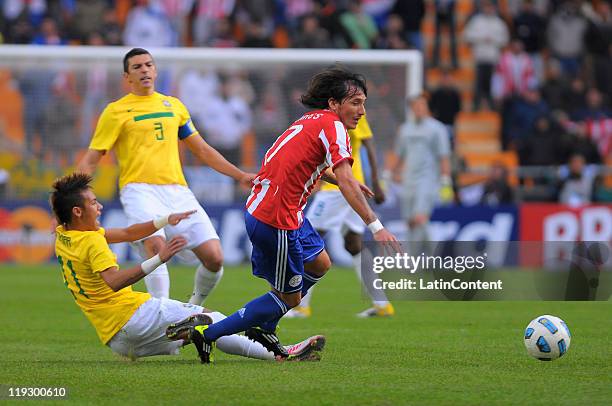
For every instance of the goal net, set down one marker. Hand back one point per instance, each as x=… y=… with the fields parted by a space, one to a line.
x=239 y=99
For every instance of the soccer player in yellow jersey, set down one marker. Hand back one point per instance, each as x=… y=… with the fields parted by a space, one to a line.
x=330 y=211
x=144 y=128
x=133 y=324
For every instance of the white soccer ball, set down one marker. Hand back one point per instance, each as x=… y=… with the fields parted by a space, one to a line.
x=547 y=338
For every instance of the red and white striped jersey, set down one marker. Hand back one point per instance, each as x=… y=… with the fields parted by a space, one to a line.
x=292 y=166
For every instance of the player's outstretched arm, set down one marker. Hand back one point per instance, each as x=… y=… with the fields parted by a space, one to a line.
x=118 y=280
x=90 y=160
x=138 y=231
x=211 y=157
x=349 y=186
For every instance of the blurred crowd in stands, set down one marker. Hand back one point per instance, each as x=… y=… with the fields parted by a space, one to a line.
x=545 y=66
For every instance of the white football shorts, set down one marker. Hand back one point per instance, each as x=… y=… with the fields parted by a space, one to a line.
x=144 y=202
x=329 y=210
x=144 y=334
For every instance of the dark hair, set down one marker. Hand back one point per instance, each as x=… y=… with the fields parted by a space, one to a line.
x=335 y=83
x=68 y=193
x=133 y=52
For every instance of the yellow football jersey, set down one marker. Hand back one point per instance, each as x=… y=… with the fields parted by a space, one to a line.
x=144 y=131
x=361 y=132
x=82 y=256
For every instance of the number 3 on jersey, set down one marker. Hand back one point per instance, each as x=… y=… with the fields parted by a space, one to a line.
x=282 y=140
x=159 y=131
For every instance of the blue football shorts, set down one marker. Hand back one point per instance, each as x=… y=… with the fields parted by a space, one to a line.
x=279 y=255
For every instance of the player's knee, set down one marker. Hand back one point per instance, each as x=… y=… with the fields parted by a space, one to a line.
x=210 y=255
x=319 y=266
x=214 y=262
x=324 y=263
x=153 y=245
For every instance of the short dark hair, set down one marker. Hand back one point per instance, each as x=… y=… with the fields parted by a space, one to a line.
x=335 y=83
x=133 y=52
x=68 y=193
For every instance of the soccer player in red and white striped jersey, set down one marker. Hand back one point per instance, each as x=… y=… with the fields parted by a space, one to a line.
x=287 y=251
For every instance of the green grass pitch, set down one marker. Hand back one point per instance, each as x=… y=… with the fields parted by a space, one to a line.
x=429 y=353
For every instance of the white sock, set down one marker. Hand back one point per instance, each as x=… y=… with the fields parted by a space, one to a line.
x=204 y=282
x=216 y=316
x=240 y=345
x=158 y=282
x=378 y=297
x=306 y=299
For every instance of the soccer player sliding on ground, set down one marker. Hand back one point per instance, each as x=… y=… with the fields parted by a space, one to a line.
x=134 y=324
x=287 y=251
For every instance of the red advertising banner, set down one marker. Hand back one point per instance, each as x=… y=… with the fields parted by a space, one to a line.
x=555 y=222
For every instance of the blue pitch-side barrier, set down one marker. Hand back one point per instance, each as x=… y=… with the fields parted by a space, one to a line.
x=25 y=236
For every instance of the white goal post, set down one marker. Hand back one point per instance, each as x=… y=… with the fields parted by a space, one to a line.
x=411 y=59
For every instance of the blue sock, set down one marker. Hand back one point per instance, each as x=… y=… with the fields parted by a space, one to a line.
x=258 y=311
x=308 y=281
